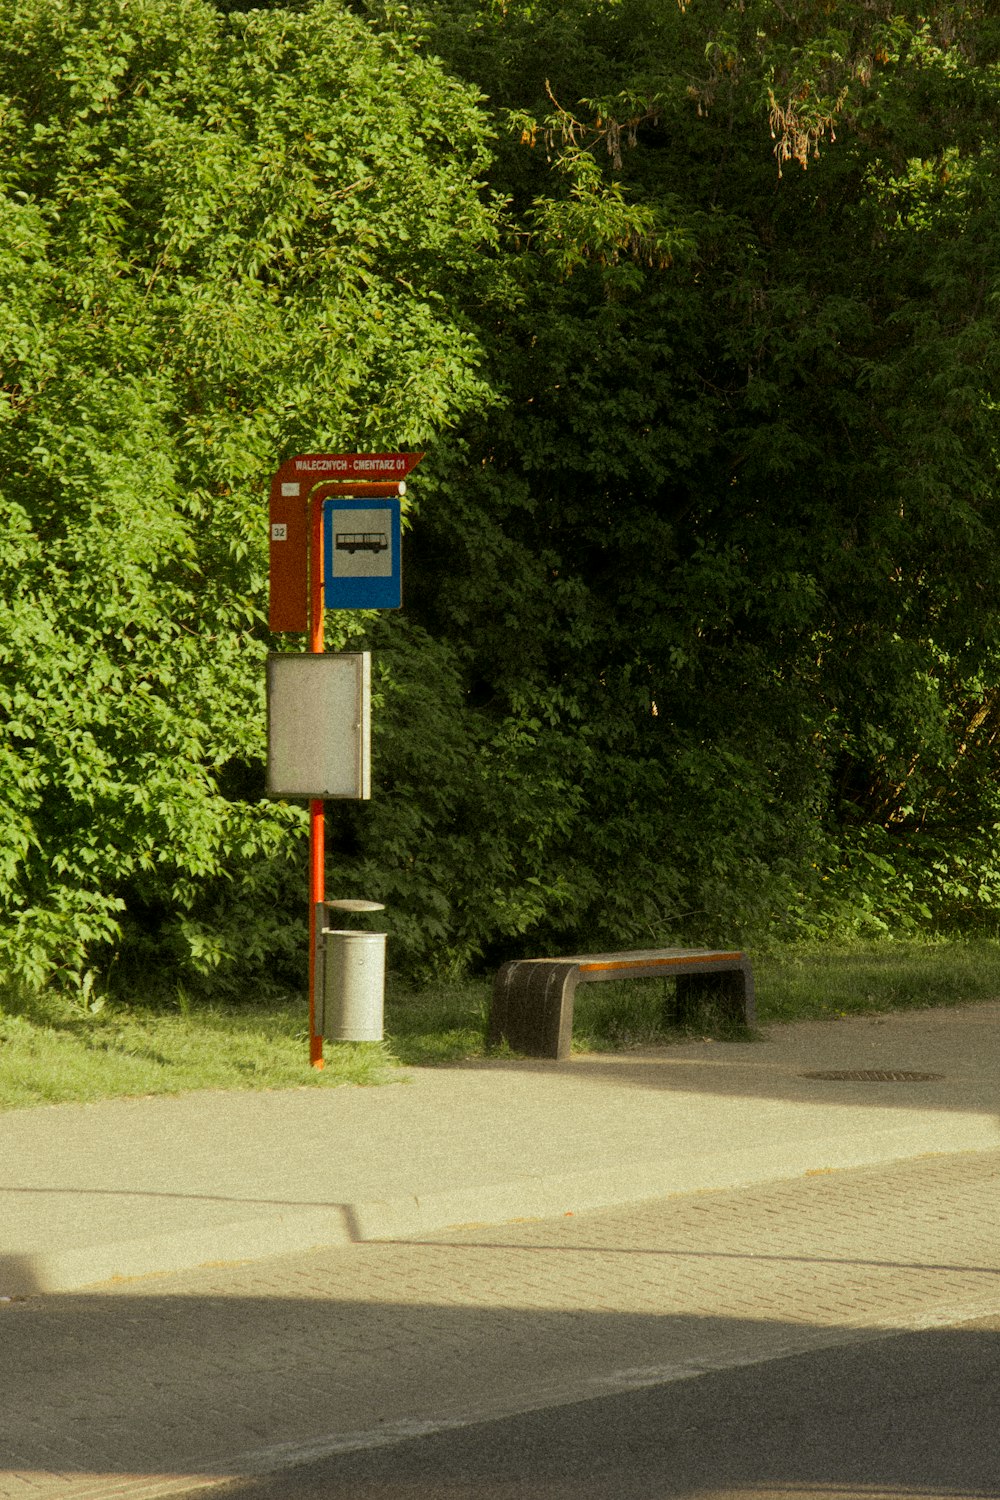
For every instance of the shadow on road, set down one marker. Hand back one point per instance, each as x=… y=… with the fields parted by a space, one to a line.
x=904 y=1419
x=310 y=1398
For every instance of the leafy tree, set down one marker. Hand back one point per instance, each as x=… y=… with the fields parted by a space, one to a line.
x=222 y=240
x=695 y=308
x=736 y=527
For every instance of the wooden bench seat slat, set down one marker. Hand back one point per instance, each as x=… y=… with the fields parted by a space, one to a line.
x=631 y=961
x=641 y=955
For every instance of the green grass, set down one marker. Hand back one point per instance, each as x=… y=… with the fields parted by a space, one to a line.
x=805 y=982
x=442 y=1023
x=825 y=980
x=639 y=1013
x=53 y=1050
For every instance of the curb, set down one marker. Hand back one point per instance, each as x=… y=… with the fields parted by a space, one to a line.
x=538 y=1196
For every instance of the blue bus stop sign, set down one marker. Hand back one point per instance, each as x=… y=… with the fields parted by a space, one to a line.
x=361 y=554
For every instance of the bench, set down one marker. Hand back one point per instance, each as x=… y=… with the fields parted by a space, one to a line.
x=532 y=1004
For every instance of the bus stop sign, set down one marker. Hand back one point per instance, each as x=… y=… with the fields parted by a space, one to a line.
x=361 y=554
x=364 y=477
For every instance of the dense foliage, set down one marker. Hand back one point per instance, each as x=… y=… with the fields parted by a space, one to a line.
x=221 y=240
x=694 y=307
x=724 y=563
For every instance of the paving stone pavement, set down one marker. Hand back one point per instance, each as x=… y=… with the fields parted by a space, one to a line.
x=166 y=1385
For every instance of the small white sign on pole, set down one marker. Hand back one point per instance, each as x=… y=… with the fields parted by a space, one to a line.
x=319 y=725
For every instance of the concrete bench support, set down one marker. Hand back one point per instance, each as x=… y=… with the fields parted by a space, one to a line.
x=532 y=1005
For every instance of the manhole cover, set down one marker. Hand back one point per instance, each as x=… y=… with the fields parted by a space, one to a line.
x=872 y=1075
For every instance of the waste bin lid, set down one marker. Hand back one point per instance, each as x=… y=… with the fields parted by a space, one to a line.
x=353 y=905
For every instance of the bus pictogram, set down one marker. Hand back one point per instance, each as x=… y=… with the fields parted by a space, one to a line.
x=361 y=541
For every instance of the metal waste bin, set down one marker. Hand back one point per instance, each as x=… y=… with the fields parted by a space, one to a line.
x=351 y=988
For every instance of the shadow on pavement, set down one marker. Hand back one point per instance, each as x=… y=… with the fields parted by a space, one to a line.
x=952 y=1058
x=324 y=1395
x=905 y=1419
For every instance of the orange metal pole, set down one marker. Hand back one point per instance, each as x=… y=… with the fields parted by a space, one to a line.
x=317 y=820
x=317 y=823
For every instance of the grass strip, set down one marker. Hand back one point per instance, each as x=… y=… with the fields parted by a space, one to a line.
x=53 y=1050
x=800 y=983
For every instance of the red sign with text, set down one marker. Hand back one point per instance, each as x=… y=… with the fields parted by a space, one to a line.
x=291 y=488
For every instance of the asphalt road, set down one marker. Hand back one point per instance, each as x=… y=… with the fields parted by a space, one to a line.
x=907 y=1416
x=833 y=1334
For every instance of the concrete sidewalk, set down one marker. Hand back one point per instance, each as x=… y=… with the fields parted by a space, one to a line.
x=137 y=1186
